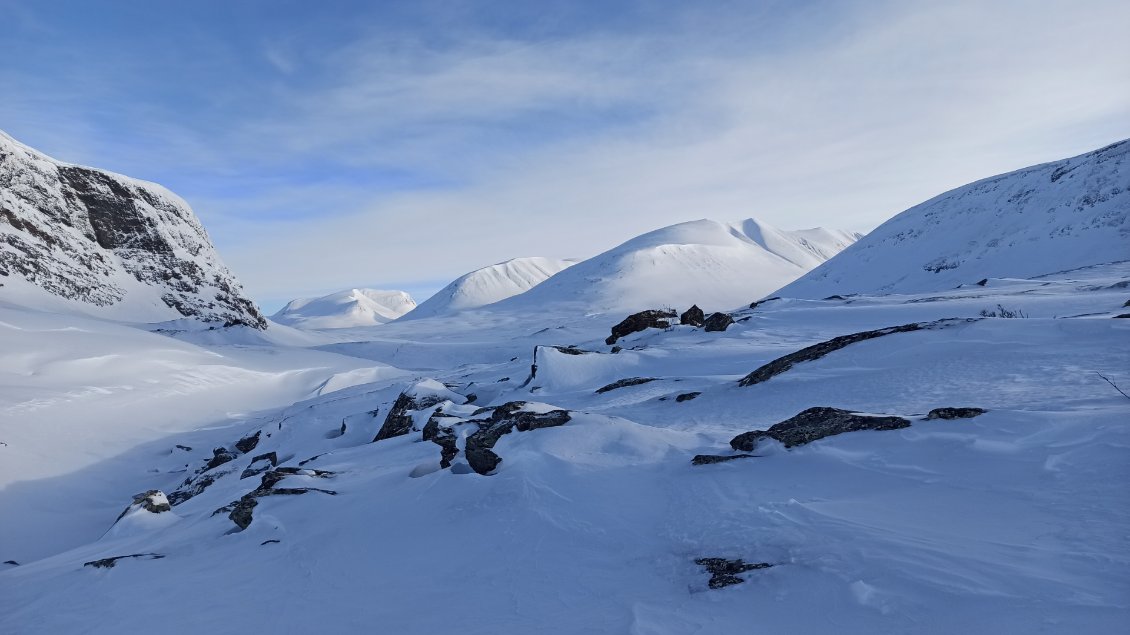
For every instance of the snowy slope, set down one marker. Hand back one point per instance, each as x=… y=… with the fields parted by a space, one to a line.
x=83 y=239
x=715 y=265
x=1047 y=218
x=344 y=309
x=1010 y=522
x=489 y=285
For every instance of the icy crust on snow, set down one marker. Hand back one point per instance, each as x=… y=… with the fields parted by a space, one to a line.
x=489 y=285
x=1047 y=218
x=715 y=265
x=1011 y=521
x=346 y=309
x=108 y=245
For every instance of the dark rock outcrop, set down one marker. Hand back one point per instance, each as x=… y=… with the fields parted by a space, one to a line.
x=260 y=464
x=718 y=322
x=248 y=443
x=503 y=420
x=816 y=423
x=693 y=316
x=636 y=322
x=153 y=501
x=241 y=512
x=687 y=396
x=710 y=459
x=399 y=419
x=194 y=487
x=108 y=563
x=443 y=436
x=624 y=383
x=76 y=232
x=816 y=351
x=724 y=572
x=219 y=457
x=955 y=413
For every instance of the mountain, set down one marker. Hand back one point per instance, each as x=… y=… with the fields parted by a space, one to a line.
x=1042 y=219
x=108 y=245
x=715 y=265
x=489 y=285
x=344 y=309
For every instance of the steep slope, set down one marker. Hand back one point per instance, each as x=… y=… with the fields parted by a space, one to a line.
x=489 y=285
x=712 y=264
x=108 y=245
x=1043 y=219
x=344 y=309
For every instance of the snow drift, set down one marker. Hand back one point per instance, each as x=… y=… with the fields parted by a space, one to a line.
x=1039 y=220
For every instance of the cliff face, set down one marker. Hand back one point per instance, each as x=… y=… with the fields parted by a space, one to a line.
x=105 y=239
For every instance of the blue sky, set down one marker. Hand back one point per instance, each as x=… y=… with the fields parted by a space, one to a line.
x=400 y=144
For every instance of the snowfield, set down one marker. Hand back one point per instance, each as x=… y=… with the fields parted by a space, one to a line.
x=928 y=433
x=1011 y=521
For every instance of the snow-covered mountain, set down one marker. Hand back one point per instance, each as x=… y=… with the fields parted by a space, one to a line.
x=108 y=245
x=344 y=309
x=1042 y=219
x=715 y=265
x=489 y=285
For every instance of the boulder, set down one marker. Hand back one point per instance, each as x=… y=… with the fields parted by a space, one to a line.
x=955 y=413
x=248 y=443
x=693 y=316
x=816 y=423
x=219 y=457
x=624 y=383
x=636 y=322
x=710 y=459
x=399 y=420
x=687 y=396
x=503 y=420
x=724 y=572
x=718 y=322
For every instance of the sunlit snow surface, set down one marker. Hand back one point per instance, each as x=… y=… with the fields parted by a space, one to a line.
x=1016 y=521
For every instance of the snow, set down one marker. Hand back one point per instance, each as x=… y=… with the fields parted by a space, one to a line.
x=1039 y=220
x=489 y=285
x=1015 y=521
x=346 y=309
x=716 y=265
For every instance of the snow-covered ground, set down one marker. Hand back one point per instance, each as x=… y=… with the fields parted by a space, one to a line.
x=1013 y=521
x=489 y=285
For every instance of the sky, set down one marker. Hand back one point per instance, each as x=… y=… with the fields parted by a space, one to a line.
x=398 y=145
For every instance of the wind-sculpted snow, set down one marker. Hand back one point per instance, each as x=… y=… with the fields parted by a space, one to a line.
x=1043 y=219
x=113 y=245
x=489 y=285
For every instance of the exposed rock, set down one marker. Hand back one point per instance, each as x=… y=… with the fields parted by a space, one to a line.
x=248 y=443
x=687 y=396
x=617 y=349
x=718 y=322
x=816 y=351
x=12 y=562
x=816 y=423
x=982 y=282
x=241 y=511
x=504 y=419
x=623 y=383
x=693 y=316
x=260 y=464
x=81 y=233
x=955 y=413
x=443 y=436
x=153 y=501
x=219 y=457
x=183 y=447
x=709 y=459
x=272 y=541
x=108 y=563
x=636 y=322
x=1124 y=315
x=194 y=486
x=724 y=573
x=399 y=420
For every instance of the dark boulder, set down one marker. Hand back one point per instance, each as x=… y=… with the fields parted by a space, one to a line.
x=687 y=396
x=636 y=322
x=194 y=486
x=955 y=413
x=624 y=383
x=399 y=419
x=503 y=420
x=814 y=424
x=219 y=457
x=248 y=443
x=260 y=464
x=153 y=501
x=724 y=572
x=710 y=459
x=718 y=322
x=443 y=436
x=241 y=513
x=693 y=316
